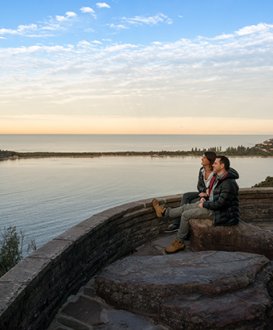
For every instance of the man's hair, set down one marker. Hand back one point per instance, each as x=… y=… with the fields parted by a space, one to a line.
x=211 y=156
x=224 y=160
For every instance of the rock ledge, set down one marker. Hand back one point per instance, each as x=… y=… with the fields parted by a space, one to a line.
x=201 y=290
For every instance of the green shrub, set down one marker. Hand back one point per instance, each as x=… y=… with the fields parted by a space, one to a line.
x=268 y=182
x=11 y=248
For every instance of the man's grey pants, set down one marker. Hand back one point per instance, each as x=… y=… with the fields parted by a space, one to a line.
x=187 y=212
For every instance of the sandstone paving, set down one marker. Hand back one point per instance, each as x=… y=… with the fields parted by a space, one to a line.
x=244 y=309
x=86 y=313
x=86 y=310
x=195 y=290
x=188 y=290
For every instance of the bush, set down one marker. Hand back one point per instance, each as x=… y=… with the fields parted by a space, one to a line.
x=11 y=248
x=268 y=182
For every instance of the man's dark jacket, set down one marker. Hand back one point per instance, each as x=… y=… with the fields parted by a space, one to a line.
x=225 y=202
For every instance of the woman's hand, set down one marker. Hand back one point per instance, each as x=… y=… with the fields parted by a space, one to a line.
x=202 y=200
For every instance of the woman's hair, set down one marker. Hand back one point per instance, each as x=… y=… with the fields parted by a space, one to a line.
x=211 y=156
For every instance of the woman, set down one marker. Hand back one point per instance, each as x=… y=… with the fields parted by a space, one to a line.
x=204 y=177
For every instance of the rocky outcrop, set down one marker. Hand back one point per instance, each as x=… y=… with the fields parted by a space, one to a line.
x=201 y=290
x=243 y=237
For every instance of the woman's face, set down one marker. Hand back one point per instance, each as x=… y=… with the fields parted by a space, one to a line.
x=205 y=161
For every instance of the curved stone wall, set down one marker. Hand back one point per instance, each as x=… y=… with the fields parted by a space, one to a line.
x=256 y=205
x=32 y=291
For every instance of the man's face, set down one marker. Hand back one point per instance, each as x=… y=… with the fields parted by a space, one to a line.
x=217 y=166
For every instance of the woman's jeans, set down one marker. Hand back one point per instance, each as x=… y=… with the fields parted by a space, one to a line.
x=187 y=198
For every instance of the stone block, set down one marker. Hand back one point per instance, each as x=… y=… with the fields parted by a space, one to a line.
x=243 y=237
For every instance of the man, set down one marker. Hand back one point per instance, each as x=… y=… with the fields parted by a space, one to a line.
x=221 y=206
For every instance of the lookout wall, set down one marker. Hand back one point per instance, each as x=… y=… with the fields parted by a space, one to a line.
x=33 y=290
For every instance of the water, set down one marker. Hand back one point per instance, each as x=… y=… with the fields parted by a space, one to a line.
x=44 y=197
x=94 y=143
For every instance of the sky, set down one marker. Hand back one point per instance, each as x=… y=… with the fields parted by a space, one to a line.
x=136 y=67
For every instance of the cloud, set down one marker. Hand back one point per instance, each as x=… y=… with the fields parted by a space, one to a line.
x=118 y=26
x=42 y=29
x=88 y=10
x=68 y=15
x=97 y=42
x=21 y=30
x=26 y=28
x=102 y=5
x=120 y=47
x=262 y=27
x=223 y=37
x=148 y=20
x=141 y=20
x=229 y=75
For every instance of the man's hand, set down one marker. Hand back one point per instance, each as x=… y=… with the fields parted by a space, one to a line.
x=203 y=194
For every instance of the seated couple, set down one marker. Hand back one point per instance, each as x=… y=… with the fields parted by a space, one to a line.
x=219 y=202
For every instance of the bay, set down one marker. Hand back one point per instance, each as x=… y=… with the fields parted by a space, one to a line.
x=44 y=197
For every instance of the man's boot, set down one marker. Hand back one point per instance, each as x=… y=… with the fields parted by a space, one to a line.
x=175 y=246
x=159 y=210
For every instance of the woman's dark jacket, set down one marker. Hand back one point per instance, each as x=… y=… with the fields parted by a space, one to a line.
x=192 y=197
x=225 y=202
x=201 y=187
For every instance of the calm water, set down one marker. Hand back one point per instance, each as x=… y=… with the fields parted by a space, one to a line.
x=44 y=197
x=95 y=143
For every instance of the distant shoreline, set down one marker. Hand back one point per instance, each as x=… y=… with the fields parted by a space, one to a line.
x=264 y=149
x=159 y=154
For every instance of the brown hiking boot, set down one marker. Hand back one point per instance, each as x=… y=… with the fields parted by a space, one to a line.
x=159 y=210
x=175 y=246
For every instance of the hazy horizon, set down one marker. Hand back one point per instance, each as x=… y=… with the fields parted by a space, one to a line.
x=159 y=134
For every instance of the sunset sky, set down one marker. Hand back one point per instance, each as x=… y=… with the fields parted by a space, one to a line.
x=136 y=66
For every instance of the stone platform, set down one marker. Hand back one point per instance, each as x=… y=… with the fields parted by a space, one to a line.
x=86 y=310
x=187 y=290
